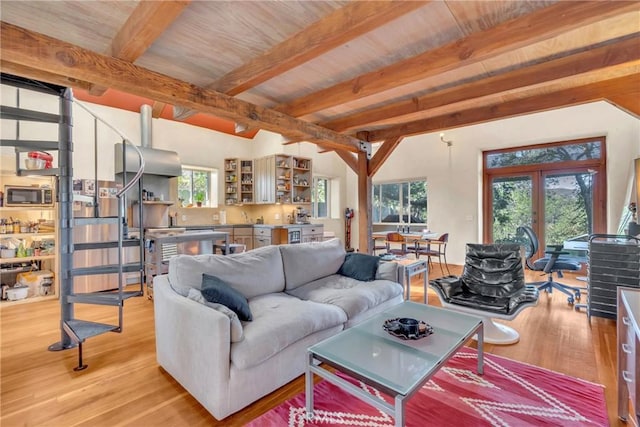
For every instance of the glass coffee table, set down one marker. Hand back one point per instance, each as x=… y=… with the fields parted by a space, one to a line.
x=396 y=367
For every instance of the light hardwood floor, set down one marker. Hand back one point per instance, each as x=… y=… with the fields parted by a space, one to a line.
x=124 y=385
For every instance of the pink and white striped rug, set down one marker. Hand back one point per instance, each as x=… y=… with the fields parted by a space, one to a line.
x=509 y=393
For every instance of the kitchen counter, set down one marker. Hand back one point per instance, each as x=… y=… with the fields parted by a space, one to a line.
x=285 y=225
x=218 y=226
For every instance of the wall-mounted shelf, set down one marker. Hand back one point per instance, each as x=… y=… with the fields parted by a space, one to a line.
x=25 y=235
x=26 y=259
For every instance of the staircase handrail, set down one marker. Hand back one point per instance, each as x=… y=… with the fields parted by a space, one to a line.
x=120 y=195
x=126 y=140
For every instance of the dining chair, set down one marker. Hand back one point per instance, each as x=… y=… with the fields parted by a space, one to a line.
x=379 y=244
x=439 y=250
x=395 y=239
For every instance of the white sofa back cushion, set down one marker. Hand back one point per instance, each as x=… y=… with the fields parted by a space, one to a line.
x=252 y=273
x=306 y=262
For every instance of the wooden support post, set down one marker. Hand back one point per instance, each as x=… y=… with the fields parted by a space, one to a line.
x=365 y=227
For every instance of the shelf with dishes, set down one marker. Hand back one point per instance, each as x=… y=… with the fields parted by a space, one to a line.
x=15 y=260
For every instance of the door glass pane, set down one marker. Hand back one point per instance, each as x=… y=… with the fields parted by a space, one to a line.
x=568 y=206
x=512 y=206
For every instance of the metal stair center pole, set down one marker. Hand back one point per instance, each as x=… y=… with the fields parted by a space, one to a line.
x=65 y=216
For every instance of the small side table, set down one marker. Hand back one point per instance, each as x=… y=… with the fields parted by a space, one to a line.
x=413 y=267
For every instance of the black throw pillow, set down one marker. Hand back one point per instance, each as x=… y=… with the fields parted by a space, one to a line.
x=360 y=266
x=216 y=290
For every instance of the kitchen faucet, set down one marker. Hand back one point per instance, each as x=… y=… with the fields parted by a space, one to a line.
x=246 y=217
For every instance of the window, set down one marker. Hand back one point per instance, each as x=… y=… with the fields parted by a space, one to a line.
x=558 y=189
x=400 y=202
x=198 y=185
x=320 y=197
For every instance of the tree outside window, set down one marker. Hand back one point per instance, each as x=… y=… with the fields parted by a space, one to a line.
x=320 y=197
x=400 y=202
x=196 y=186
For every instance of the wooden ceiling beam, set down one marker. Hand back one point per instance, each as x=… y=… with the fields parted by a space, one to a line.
x=336 y=29
x=34 y=50
x=627 y=102
x=156 y=109
x=618 y=52
x=349 y=158
x=145 y=24
x=627 y=86
x=32 y=73
x=526 y=30
x=383 y=154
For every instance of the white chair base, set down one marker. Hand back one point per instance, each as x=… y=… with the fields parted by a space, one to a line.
x=494 y=333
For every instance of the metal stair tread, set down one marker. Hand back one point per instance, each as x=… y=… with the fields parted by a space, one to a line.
x=96 y=220
x=27 y=145
x=102 y=298
x=106 y=269
x=106 y=244
x=13 y=113
x=83 y=329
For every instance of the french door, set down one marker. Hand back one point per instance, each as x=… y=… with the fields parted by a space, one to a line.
x=559 y=200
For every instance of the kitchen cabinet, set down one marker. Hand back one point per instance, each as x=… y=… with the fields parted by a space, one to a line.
x=312 y=233
x=264 y=180
x=231 y=179
x=246 y=181
x=243 y=236
x=301 y=180
x=238 y=181
x=282 y=179
x=265 y=236
x=261 y=237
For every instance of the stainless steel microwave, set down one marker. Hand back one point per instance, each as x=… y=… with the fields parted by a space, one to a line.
x=15 y=195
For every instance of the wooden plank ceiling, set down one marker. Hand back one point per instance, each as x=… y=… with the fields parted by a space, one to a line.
x=335 y=73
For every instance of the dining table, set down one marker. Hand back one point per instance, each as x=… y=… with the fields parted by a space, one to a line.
x=429 y=237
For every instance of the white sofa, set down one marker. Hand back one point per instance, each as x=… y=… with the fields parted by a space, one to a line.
x=296 y=299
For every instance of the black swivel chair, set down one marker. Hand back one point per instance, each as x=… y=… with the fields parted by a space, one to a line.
x=491 y=286
x=553 y=262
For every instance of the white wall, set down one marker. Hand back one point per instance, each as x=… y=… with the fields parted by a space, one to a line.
x=454 y=175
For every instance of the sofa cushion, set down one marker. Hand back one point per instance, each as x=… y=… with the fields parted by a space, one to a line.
x=235 y=324
x=251 y=273
x=305 y=262
x=216 y=290
x=352 y=296
x=360 y=266
x=387 y=271
x=280 y=320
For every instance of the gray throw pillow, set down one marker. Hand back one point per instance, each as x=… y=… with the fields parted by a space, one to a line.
x=216 y=290
x=360 y=266
x=237 y=333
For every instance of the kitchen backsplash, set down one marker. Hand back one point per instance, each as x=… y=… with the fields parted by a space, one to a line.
x=271 y=214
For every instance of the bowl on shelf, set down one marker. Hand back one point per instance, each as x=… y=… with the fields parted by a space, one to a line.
x=34 y=163
x=17 y=293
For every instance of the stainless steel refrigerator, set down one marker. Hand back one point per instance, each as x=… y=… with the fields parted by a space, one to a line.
x=107 y=206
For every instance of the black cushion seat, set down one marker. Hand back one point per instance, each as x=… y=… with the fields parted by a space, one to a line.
x=559 y=264
x=454 y=290
x=492 y=280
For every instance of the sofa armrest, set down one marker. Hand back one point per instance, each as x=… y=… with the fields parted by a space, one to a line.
x=193 y=344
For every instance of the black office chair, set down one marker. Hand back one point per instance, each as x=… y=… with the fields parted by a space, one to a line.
x=553 y=263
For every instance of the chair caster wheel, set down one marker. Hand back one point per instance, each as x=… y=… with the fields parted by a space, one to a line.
x=570 y=300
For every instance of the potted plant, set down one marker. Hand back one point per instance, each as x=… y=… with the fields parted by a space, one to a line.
x=199 y=198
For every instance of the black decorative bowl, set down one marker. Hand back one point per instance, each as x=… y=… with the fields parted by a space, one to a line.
x=407 y=328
